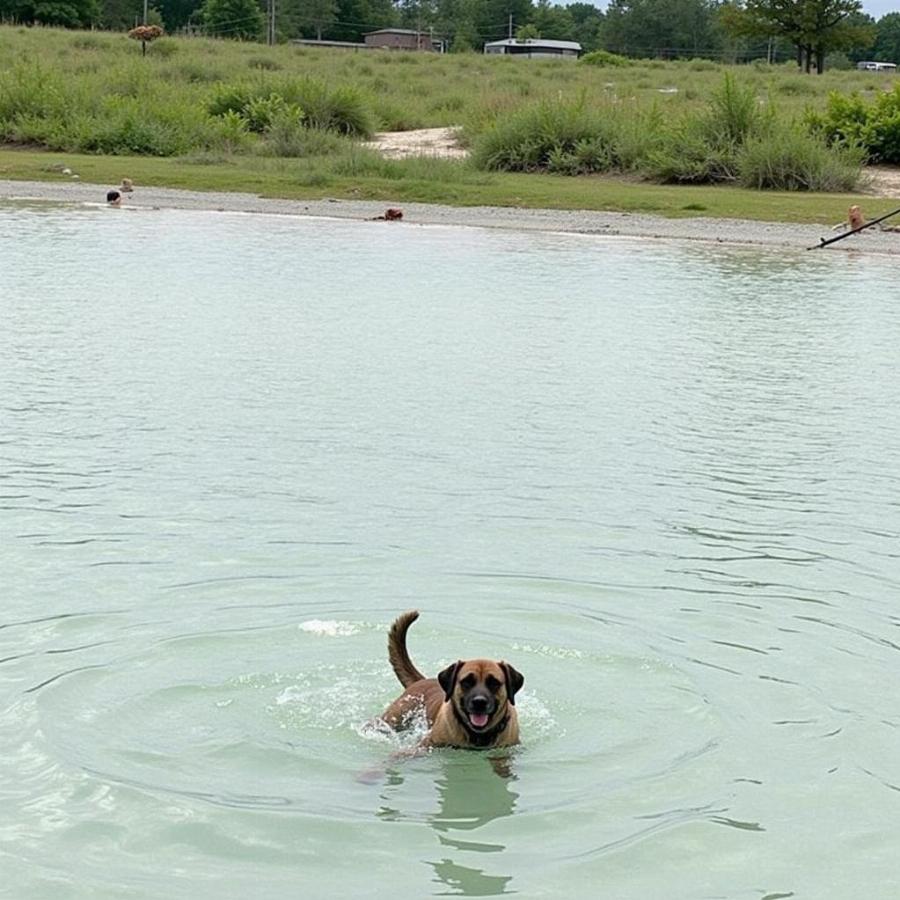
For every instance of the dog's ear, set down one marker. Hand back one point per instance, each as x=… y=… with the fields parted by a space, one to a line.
x=447 y=678
x=514 y=681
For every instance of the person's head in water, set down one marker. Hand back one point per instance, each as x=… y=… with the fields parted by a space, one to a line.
x=113 y=198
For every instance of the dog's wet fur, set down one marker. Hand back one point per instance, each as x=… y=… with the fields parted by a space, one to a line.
x=471 y=704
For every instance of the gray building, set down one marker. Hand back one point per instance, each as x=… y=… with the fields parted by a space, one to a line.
x=534 y=48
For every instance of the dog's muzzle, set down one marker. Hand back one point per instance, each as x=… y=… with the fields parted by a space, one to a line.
x=479 y=709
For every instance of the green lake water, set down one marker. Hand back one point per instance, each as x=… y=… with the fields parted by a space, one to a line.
x=661 y=479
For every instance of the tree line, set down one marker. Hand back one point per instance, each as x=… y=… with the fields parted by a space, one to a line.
x=809 y=31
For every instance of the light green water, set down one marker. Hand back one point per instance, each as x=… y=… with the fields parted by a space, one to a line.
x=662 y=480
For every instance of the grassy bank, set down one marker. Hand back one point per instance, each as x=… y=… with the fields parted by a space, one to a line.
x=435 y=181
x=288 y=120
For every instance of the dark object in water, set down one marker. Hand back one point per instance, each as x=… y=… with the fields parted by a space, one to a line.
x=391 y=214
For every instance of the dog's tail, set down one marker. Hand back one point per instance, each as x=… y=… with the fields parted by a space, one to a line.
x=400 y=661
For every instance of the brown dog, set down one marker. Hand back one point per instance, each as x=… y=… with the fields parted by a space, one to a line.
x=470 y=704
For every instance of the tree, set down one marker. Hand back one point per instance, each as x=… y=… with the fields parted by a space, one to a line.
x=239 y=19
x=829 y=25
x=667 y=27
x=119 y=15
x=356 y=17
x=317 y=15
x=554 y=23
x=587 y=23
x=65 y=13
x=177 y=13
x=814 y=27
x=887 y=38
x=493 y=17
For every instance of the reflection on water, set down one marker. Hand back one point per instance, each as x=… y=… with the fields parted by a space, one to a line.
x=471 y=793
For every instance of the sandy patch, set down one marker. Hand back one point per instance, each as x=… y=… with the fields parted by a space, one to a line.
x=439 y=142
x=884 y=181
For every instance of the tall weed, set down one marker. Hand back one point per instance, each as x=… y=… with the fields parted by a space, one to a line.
x=788 y=158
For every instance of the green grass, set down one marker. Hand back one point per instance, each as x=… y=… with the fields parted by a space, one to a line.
x=400 y=88
x=433 y=181
x=237 y=116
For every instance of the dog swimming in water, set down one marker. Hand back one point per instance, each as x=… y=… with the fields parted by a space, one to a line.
x=471 y=704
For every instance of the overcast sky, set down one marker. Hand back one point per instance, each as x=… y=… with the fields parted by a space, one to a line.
x=878 y=8
x=875 y=8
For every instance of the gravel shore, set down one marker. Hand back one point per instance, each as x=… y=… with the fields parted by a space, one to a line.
x=724 y=231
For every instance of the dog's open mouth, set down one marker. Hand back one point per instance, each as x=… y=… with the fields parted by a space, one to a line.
x=478 y=720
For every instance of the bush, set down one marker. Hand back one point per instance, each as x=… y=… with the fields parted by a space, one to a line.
x=788 y=158
x=851 y=121
x=703 y=147
x=605 y=59
x=287 y=137
x=690 y=153
x=569 y=138
x=343 y=109
x=261 y=112
x=735 y=140
x=734 y=113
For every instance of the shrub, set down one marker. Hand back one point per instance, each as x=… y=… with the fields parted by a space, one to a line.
x=850 y=120
x=229 y=98
x=703 y=147
x=232 y=132
x=343 y=109
x=689 y=154
x=557 y=137
x=261 y=112
x=698 y=64
x=287 y=137
x=788 y=158
x=604 y=58
x=734 y=112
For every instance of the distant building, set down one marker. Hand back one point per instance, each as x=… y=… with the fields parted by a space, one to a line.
x=402 y=39
x=534 y=48
x=870 y=66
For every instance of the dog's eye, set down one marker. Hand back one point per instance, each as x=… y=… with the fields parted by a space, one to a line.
x=468 y=682
x=493 y=684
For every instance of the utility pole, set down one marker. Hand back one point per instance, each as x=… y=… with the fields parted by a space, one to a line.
x=510 y=25
x=270 y=36
x=146 y=3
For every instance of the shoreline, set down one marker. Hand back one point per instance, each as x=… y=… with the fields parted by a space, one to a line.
x=744 y=232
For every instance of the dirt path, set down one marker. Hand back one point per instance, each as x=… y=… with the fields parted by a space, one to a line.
x=440 y=142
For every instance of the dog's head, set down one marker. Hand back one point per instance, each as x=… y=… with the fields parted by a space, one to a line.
x=480 y=691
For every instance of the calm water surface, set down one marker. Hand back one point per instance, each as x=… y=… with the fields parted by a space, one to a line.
x=663 y=480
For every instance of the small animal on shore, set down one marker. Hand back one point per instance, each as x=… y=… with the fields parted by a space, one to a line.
x=471 y=704
x=127 y=186
x=391 y=214
x=855 y=219
x=113 y=198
